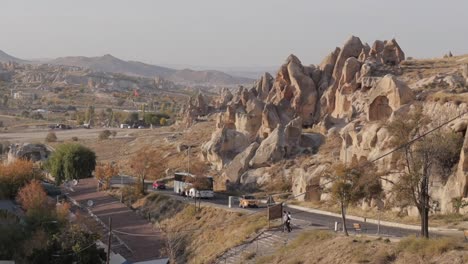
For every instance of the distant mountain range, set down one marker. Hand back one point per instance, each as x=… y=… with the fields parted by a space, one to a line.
x=109 y=63
x=4 y=57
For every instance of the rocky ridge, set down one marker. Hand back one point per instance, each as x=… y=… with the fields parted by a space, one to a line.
x=350 y=94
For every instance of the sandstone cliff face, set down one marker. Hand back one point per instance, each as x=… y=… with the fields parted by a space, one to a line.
x=353 y=92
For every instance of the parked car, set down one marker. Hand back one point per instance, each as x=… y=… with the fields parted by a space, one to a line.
x=248 y=201
x=159 y=185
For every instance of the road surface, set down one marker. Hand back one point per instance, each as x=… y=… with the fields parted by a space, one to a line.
x=300 y=217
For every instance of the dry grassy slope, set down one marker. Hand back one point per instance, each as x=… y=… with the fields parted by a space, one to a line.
x=165 y=139
x=204 y=234
x=414 y=70
x=325 y=247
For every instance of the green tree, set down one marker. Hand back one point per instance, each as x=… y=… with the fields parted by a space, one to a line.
x=151 y=119
x=71 y=161
x=163 y=121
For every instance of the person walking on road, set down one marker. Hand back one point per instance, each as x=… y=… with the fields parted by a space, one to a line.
x=285 y=221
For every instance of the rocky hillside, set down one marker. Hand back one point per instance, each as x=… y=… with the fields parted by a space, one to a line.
x=46 y=76
x=4 y=57
x=298 y=124
x=109 y=63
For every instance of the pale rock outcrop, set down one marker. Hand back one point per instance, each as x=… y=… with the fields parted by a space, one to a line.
x=32 y=152
x=347 y=87
x=305 y=182
x=201 y=104
x=223 y=146
x=362 y=141
x=376 y=51
x=249 y=122
x=272 y=149
x=311 y=141
x=456 y=185
x=465 y=72
x=352 y=48
x=440 y=80
x=388 y=96
x=392 y=53
x=293 y=84
x=326 y=66
x=225 y=96
x=264 y=86
x=240 y=163
x=292 y=136
x=270 y=120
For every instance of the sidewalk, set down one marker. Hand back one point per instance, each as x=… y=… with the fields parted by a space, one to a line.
x=134 y=248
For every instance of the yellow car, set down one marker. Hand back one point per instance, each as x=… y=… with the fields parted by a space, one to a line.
x=248 y=201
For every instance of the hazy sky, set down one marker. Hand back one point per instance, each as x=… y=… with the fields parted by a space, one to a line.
x=226 y=33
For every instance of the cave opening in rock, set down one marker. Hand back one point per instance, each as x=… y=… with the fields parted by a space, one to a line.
x=379 y=110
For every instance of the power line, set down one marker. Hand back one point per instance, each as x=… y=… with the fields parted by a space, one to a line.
x=263 y=211
x=419 y=137
x=394 y=150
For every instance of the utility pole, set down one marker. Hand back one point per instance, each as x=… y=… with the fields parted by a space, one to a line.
x=378 y=224
x=188 y=157
x=109 y=241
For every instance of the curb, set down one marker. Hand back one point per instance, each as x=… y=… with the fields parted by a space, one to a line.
x=369 y=220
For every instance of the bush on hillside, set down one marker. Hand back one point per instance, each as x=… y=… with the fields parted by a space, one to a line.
x=105 y=134
x=51 y=137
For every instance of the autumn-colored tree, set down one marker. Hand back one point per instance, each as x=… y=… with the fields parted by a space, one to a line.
x=422 y=156
x=15 y=175
x=147 y=163
x=104 y=172
x=33 y=198
x=62 y=211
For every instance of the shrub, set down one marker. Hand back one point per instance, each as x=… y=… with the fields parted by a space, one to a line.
x=25 y=113
x=74 y=138
x=15 y=175
x=33 y=198
x=105 y=134
x=71 y=161
x=36 y=115
x=51 y=137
